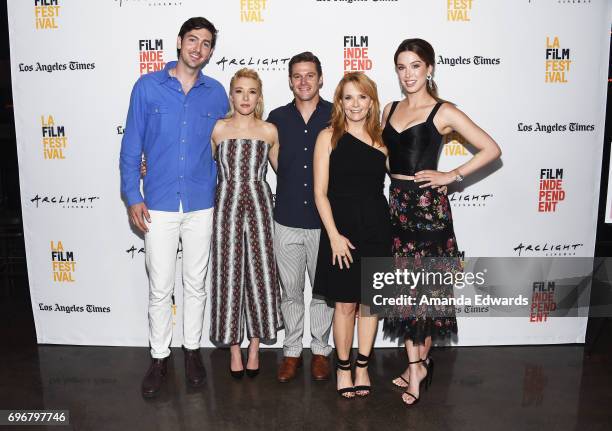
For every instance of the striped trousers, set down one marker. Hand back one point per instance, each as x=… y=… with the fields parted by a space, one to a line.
x=296 y=252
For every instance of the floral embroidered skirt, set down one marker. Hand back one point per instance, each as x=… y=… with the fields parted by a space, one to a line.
x=423 y=239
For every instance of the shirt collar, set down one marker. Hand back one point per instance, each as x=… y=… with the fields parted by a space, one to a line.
x=165 y=75
x=319 y=103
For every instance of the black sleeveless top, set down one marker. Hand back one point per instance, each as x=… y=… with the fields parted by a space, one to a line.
x=414 y=149
x=356 y=169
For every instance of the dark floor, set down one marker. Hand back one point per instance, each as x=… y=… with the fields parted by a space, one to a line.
x=501 y=388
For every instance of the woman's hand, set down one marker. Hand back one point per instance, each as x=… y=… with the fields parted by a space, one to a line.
x=434 y=178
x=341 y=250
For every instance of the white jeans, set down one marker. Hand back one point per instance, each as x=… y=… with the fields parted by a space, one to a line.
x=161 y=244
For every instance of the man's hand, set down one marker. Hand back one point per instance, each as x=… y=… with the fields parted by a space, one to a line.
x=138 y=214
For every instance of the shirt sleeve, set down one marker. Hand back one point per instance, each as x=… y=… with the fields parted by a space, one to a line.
x=132 y=146
x=272 y=118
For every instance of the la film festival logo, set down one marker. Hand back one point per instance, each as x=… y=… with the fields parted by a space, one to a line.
x=558 y=62
x=252 y=10
x=454 y=145
x=542 y=301
x=458 y=10
x=356 y=57
x=150 y=55
x=551 y=190
x=46 y=12
x=54 y=139
x=63 y=263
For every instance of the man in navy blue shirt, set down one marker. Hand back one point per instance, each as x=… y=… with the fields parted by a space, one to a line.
x=171 y=117
x=297 y=224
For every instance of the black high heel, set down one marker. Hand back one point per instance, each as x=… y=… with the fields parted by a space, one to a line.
x=430 y=367
x=344 y=365
x=422 y=384
x=362 y=362
x=252 y=372
x=237 y=374
x=429 y=364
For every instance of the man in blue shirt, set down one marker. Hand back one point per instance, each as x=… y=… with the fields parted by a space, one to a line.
x=170 y=120
x=297 y=224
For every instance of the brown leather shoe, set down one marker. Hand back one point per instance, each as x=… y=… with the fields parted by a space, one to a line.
x=154 y=378
x=288 y=369
x=194 y=369
x=319 y=367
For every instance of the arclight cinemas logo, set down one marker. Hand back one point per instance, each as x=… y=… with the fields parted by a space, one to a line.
x=469 y=199
x=356 y=57
x=150 y=55
x=547 y=249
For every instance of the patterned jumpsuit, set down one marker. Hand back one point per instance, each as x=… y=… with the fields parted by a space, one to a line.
x=244 y=283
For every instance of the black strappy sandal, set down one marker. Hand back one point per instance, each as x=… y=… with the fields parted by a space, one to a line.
x=425 y=382
x=344 y=365
x=362 y=362
x=429 y=364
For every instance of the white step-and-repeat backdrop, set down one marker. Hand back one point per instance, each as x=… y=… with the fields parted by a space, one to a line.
x=531 y=72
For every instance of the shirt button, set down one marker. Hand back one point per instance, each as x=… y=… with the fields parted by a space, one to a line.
x=181 y=177
x=305 y=148
x=182 y=140
x=182 y=158
x=305 y=185
x=305 y=166
x=184 y=122
x=305 y=202
x=305 y=131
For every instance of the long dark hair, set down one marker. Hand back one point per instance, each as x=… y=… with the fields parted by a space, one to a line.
x=425 y=51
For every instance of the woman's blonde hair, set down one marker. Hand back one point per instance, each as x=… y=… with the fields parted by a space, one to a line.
x=248 y=73
x=338 y=118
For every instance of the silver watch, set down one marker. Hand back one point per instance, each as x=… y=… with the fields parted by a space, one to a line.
x=459 y=178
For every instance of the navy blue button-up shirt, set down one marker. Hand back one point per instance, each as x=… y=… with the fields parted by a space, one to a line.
x=173 y=131
x=295 y=205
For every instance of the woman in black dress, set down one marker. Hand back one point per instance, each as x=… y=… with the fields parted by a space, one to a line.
x=349 y=174
x=421 y=220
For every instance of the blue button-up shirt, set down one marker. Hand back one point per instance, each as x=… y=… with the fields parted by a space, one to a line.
x=294 y=204
x=172 y=130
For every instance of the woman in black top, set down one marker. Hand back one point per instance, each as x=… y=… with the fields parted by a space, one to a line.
x=421 y=220
x=349 y=176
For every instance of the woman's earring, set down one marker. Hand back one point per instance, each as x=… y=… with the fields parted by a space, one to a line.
x=429 y=80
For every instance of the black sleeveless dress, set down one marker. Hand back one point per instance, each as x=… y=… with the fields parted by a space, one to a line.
x=421 y=229
x=355 y=191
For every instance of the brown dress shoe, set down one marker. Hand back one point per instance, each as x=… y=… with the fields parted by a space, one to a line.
x=288 y=369
x=154 y=378
x=319 y=367
x=194 y=369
